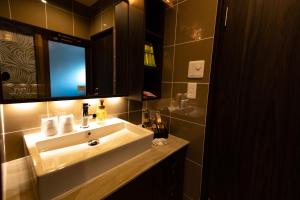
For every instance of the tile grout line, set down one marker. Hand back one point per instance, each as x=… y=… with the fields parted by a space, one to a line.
x=3 y=131
x=128 y=109
x=194 y=162
x=173 y=63
x=183 y=120
x=48 y=113
x=187 y=196
x=194 y=41
x=188 y=121
x=73 y=19
x=46 y=16
x=9 y=10
x=22 y=130
x=182 y=2
x=168 y=82
x=188 y=42
x=207 y=97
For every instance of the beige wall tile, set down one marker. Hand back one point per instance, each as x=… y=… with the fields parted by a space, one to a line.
x=107 y=18
x=14 y=146
x=201 y=50
x=195 y=20
x=168 y=55
x=4 y=9
x=29 y=11
x=135 y=117
x=193 y=133
x=135 y=105
x=170 y=21
x=23 y=116
x=81 y=27
x=66 y=107
x=195 y=111
x=116 y=105
x=192 y=180
x=59 y=20
x=95 y=26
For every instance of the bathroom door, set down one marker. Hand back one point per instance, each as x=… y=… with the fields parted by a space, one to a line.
x=252 y=149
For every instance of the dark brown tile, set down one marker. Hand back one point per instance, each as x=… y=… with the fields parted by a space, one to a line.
x=195 y=20
x=81 y=27
x=162 y=104
x=65 y=5
x=135 y=117
x=95 y=26
x=14 y=146
x=145 y=104
x=193 y=133
x=192 y=180
x=170 y=21
x=59 y=20
x=201 y=50
x=107 y=18
x=168 y=55
x=195 y=109
x=4 y=9
x=23 y=115
x=30 y=12
x=135 y=105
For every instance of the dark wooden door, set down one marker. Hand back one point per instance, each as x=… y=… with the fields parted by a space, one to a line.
x=253 y=135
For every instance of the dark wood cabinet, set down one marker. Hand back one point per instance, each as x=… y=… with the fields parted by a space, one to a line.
x=146 y=27
x=161 y=182
x=154 y=32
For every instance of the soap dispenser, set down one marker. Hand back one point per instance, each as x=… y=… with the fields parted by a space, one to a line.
x=101 y=112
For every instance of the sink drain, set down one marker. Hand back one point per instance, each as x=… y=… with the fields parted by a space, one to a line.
x=93 y=142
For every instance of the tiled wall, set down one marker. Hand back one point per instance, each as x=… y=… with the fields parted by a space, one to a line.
x=189 y=36
x=24 y=118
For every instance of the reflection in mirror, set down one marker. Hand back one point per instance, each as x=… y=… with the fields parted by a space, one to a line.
x=67 y=70
x=18 y=66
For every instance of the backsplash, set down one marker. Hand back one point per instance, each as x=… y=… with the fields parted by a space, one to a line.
x=189 y=36
x=24 y=118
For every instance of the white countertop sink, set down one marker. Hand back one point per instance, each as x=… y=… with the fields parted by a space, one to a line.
x=62 y=162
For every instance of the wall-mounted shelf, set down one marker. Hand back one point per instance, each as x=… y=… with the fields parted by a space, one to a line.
x=154 y=31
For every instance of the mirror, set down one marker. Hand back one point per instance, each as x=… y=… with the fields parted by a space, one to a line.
x=39 y=64
x=70 y=80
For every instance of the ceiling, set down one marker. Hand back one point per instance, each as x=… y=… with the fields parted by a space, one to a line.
x=87 y=2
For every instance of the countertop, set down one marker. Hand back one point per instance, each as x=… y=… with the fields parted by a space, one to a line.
x=18 y=185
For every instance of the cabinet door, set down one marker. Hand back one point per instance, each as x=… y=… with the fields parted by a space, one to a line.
x=141 y=188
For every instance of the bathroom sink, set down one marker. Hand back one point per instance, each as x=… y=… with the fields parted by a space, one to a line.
x=63 y=162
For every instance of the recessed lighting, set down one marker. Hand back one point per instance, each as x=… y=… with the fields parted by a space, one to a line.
x=44 y=1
